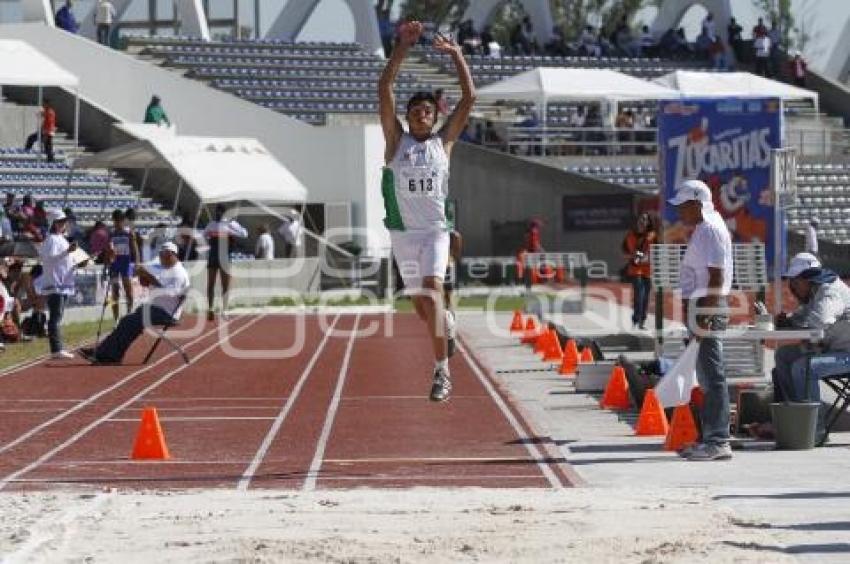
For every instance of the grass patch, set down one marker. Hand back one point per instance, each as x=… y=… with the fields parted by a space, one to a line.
x=73 y=334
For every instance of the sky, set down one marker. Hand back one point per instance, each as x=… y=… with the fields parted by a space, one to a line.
x=824 y=19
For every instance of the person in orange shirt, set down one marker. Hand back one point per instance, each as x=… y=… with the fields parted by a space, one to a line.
x=48 y=130
x=636 y=247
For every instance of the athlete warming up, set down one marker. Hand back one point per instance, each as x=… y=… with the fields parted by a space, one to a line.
x=415 y=187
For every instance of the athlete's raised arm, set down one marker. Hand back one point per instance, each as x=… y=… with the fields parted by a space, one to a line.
x=408 y=35
x=456 y=122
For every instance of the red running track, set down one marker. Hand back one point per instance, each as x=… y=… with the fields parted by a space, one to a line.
x=346 y=407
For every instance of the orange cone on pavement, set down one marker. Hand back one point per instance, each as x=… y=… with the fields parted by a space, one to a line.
x=150 y=440
x=616 y=394
x=516 y=322
x=586 y=355
x=570 y=361
x=652 y=421
x=530 y=333
x=683 y=429
x=542 y=341
x=553 y=350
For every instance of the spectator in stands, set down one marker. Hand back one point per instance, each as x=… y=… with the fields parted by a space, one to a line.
x=717 y=54
x=624 y=122
x=73 y=231
x=186 y=240
x=120 y=256
x=775 y=35
x=98 y=241
x=532 y=242
x=759 y=29
x=706 y=279
x=48 y=130
x=156 y=238
x=622 y=38
x=761 y=51
x=292 y=231
x=646 y=42
x=491 y=136
x=57 y=280
x=386 y=29
x=65 y=18
x=220 y=233
x=39 y=216
x=589 y=42
x=170 y=282
x=709 y=27
x=797 y=69
x=812 y=237
x=10 y=312
x=154 y=113
x=736 y=40
x=636 y=247
x=557 y=46
x=104 y=16
x=31 y=232
x=27 y=207
x=6 y=231
x=265 y=244
x=486 y=41
x=824 y=304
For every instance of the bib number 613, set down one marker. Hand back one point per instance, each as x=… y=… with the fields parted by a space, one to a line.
x=421 y=185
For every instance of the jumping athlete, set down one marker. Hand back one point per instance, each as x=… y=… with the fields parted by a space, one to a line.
x=415 y=187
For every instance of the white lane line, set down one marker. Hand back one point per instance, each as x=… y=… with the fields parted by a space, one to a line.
x=166 y=418
x=208 y=408
x=248 y=475
x=535 y=453
x=85 y=430
x=417 y=459
x=189 y=399
x=14 y=369
x=98 y=395
x=316 y=465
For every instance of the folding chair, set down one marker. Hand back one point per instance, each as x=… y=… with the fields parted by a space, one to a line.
x=161 y=336
x=838 y=379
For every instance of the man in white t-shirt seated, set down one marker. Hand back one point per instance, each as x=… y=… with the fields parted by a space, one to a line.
x=169 y=283
x=705 y=280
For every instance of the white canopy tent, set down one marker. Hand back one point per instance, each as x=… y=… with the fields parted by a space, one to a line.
x=215 y=169
x=693 y=84
x=546 y=84
x=24 y=65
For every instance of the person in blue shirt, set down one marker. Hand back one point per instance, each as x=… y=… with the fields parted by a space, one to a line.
x=65 y=18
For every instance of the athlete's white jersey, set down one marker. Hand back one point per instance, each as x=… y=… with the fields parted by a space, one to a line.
x=415 y=200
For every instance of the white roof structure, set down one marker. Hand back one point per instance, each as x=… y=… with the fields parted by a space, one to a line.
x=547 y=84
x=692 y=84
x=24 y=65
x=215 y=169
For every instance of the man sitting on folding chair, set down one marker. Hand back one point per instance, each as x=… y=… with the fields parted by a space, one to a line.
x=824 y=304
x=170 y=282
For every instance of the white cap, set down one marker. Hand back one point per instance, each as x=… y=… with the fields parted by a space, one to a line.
x=168 y=246
x=691 y=190
x=55 y=215
x=800 y=263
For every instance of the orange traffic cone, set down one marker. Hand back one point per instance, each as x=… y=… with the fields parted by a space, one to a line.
x=683 y=429
x=570 y=361
x=542 y=341
x=616 y=394
x=150 y=441
x=586 y=355
x=652 y=421
x=553 y=351
x=531 y=331
x=516 y=322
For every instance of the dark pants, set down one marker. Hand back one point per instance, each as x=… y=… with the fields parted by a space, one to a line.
x=114 y=346
x=640 y=287
x=790 y=380
x=103 y=34
x=46 y=144
x=762 y=66
x=56 y=308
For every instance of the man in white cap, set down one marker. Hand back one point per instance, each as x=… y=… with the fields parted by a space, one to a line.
x=57 y=281
x=824 y=304
x=705 y=281
x=170 y=282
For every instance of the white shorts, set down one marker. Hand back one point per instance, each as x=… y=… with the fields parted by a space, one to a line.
x=420 y=254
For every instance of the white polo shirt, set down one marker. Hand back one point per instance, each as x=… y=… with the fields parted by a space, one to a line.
x=710 y=246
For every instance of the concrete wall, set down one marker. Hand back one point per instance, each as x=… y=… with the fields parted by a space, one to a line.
x=16 y=124
x=834 y=96
x=333 y=163
x=492 y=187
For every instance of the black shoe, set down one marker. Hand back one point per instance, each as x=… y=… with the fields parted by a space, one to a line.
x=88 y=354
x=442 y=386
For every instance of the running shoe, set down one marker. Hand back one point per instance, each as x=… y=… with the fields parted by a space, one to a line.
x=710 y=452
x=451 y=333
x=442 y=386
x=62 y=355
